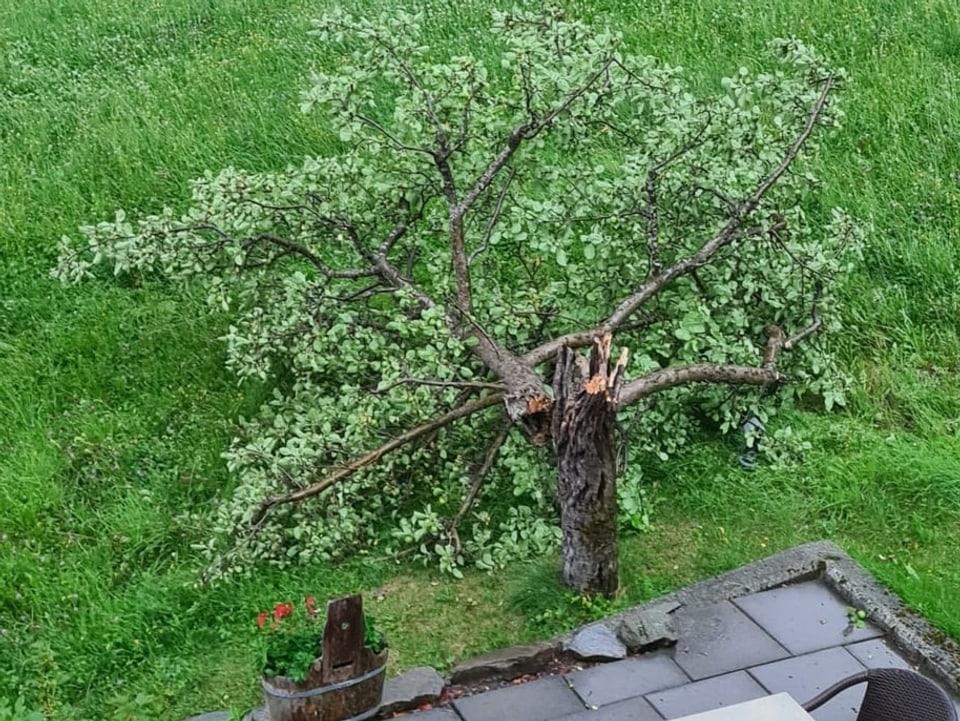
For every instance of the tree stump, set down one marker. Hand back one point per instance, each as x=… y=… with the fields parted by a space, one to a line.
x=584 y=420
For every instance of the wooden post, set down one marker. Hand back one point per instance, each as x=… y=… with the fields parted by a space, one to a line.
x=344 y=684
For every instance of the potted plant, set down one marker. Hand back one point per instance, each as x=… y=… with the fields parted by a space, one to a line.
x=317 y=669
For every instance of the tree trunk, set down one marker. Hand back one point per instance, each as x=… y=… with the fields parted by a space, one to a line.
x=583 y=424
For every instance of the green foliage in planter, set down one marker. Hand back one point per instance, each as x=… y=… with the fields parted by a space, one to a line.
x=293 y=639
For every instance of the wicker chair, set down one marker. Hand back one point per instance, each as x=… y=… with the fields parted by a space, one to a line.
x=893 y=694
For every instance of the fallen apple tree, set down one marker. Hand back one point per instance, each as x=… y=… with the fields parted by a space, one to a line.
x=418 y=301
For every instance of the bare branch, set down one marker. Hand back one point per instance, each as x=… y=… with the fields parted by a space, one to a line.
x=727 y=234
x=396 y=142
x=665 y=378
x=814 y=327
x=650 y=189
x=368 y=291
x=429 y=106
x=696 y=373
x=653 y=222
x=459 y=207
x=373 y=456
x=494 y=218
x=478 y=479
x=289 y=247
x=730 y=204
x=388 y=272
x=296 y=249
x=465 y=117
x=526 y=132
x=395 y=234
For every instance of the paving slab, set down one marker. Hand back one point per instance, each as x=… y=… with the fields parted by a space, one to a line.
x=547 y=698
x=704 y=695
x=720 y=638
x=877 y=653
x=803 y=677
x=436 y=714
x=612 y=682
x=805 y=617
x=632 y=709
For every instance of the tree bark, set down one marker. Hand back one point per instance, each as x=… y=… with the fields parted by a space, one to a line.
x=584 y=417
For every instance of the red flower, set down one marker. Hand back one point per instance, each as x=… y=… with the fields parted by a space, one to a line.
x=311 y=605
x=262 y=619
x=282 y=610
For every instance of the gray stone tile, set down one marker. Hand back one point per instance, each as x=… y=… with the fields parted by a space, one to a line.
x=704 y=695
x=611 y=682
x=842 y=707
x=877 y=653
x=435 y=714
x=720 y=638
x=548 y=698
x=803 y=677
x=632 y=709
x=805 y=617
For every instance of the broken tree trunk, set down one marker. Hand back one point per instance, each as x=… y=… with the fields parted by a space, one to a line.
x=584 y=418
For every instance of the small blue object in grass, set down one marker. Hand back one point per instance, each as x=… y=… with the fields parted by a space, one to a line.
x=752 y=431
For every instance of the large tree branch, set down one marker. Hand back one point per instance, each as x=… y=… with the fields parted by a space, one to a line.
x=458 y=248
x=373 y=456
x=724 y=237
x=765 y=374
x=525 y=394
x=475 y=385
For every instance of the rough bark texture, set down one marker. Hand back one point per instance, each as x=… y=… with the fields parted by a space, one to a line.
x=583 y=425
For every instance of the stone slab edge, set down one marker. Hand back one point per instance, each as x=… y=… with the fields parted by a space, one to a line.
x=507 y=663
x=933 y=651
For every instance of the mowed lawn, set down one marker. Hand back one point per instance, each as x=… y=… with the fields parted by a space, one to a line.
x=114 y=404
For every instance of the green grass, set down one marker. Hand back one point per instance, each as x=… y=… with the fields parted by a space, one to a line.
x=114 y=405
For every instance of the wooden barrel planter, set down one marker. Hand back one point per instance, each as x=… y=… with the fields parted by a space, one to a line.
x=344 y=684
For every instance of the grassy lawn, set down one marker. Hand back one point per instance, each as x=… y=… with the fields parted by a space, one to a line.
x=114 y=404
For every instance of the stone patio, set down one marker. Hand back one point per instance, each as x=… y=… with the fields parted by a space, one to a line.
x=787 y=623
x=782 y=624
